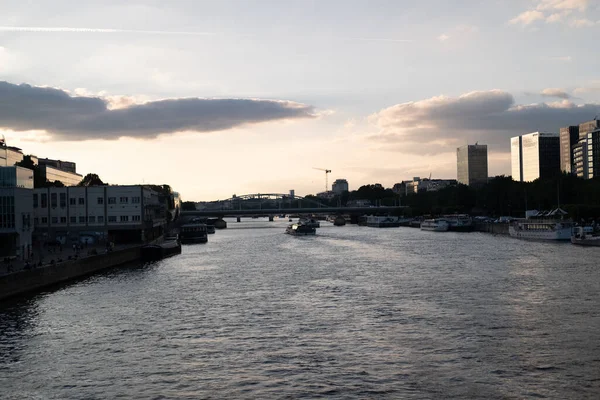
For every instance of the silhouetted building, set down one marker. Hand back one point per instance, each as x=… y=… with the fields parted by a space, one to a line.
x=569 y=136
x=67 y=166
x=471 y=164
x=339 y=186
x=535 y=155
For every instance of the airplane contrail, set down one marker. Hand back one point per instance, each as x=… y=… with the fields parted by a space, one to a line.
x=41 y=29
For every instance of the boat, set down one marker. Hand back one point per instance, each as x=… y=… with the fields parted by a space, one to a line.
x=584 y=237
x=374 y=221
x=435 y=225
x=193 y=233
x=542 y=226
x=310 y=222
x=210 y=229
x=155 y=252
x=300 y=230
x=459 y=222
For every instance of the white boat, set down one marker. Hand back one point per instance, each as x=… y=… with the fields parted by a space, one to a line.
x=584 y=237
x=382 y=222
x=459 y=222
x=541 y=229
x=435 y=225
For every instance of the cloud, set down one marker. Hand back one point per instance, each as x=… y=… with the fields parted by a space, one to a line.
x=556 y=11
x=489 y=117
x=554 y=92
x=443 y=37
x=561 y=58
x=25 y=108
x=593 y=87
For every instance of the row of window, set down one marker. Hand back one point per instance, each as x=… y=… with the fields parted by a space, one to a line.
x=90 y=220
x=54 y=200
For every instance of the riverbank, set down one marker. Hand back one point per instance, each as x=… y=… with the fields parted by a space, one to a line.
x=36 y=278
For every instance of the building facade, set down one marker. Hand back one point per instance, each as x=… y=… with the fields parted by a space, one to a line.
x=52 y=174
x=569 y=135
x=593 y=154
x=471 y=164
x=67 y=166
x=339 y=186
x=16 y=212
x=9 y=156
x=120 y=213
x=587 y=127
x=580 y=159
x=534 y=156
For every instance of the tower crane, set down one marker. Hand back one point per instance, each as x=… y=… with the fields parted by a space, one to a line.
x=327 y=171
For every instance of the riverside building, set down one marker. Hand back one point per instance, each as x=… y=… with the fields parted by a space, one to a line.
x=471 y=164
x=16 y=212
x=339 y=186
x=534 y=156
x=569 y=135
x=119 y=213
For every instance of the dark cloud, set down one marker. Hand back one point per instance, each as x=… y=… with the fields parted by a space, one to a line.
x=489 y=117
x=24 y=107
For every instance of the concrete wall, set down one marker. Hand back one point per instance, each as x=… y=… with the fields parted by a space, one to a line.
x=38 y=278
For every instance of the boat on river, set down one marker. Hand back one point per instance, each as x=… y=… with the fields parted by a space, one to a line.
x=375 y=221
x=552 y=225
x=158 y=251
x=193 y=233
x=583 y=237
x=309 y=222
x=210 y=229
x=435 y=225
x=300 y=230
x=459 y=222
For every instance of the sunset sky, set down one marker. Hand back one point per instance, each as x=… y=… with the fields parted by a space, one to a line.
x=223 y=97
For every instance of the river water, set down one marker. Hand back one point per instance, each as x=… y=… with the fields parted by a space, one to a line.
x=353 y=312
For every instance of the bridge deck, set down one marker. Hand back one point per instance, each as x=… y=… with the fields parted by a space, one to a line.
x=277 y=211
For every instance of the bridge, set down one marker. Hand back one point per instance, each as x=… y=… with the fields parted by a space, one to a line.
x=271 y=204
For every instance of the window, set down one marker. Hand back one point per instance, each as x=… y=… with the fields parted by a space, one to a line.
x=44 y=220
x=136 y=218
x=100 y=200
x=55 y=220
x=112 y=200
x=92 y=219
x=124 y=218
x=135 y=200
x=81 y=201
x=35 y=200
x=100 y=219
x=63 y=200
x=72 y=201
x=53 y=200
x=112 y=218
x=63 y=220
x=44 y=200
x=36 y=221
x=82 y=220
x=73 y=220
x=123 y=199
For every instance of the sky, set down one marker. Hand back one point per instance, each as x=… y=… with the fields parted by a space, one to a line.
x=229 y=97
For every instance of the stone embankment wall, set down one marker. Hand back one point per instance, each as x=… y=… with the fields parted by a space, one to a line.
x=490 y=227
x=40 y=277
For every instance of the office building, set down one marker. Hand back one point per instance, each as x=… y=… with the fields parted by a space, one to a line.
x=51 y=174
x=587 y=127
x=67 y=166
x=580 y=159
x=15 y=176
x=427 y=185
x=471 y=164
x=534 y=156
x=339 y=186
x=120 y=213
x=592 y=154
x=16 y=223
x=9 y=156
x=569 y=136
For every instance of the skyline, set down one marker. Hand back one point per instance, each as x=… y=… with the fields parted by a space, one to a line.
x=242 y=88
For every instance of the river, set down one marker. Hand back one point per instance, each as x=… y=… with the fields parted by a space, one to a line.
x=351 y=313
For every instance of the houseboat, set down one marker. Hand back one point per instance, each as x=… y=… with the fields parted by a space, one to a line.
x=193 y=233
x=459 y=222
x=584 y=237
x=300 y=230
x=374 y=221
x=542 y=226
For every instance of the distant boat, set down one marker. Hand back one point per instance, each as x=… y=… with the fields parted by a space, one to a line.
x=459 y=222
x=383 y=222
x=300 y=230
x=155 y=252
x=210 y=229
x=310 y=222
x=435 y=225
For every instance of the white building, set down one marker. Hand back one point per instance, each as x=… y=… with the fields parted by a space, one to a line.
x=16 y=212
x=339 y=186
x=9 y=156
x=123 y=213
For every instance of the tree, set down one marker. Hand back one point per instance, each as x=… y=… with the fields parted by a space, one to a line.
x=188 y=206
x=91 y=180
